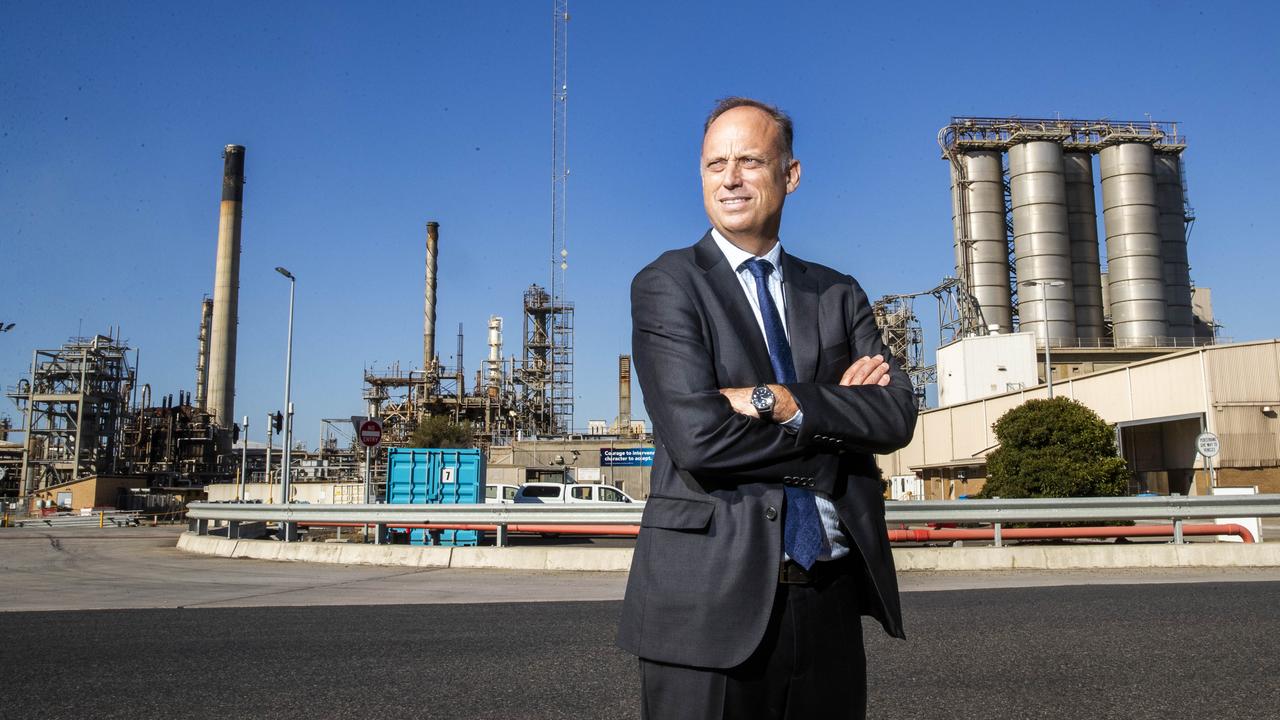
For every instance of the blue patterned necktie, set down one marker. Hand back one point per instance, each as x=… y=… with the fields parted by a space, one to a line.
x=801 y=528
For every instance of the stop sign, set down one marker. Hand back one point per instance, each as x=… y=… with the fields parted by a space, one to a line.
x=370 y=433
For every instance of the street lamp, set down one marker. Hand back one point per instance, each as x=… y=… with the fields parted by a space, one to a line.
x=1044 y=317
x=288 y=408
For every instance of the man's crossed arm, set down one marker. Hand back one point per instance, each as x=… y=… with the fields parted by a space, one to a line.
x=865 y=370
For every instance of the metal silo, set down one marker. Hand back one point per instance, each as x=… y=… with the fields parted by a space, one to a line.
x=978 y=216
x=1041 y=245
x=1134 y=261
x=1082 y=227
x=1173 y=244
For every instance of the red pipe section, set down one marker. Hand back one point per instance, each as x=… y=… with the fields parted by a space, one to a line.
x=1063 y=533
x=621 y=530
x=899 y=535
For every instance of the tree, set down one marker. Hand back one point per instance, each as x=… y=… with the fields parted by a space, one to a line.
x=1054 y=448
x=440 y=431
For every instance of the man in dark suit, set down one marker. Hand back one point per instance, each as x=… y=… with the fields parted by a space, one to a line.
x=763 y=539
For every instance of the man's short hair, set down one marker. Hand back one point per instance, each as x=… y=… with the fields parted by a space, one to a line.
x=783 y=120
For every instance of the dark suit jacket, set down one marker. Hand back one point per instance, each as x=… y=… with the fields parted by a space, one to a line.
x=705 y=568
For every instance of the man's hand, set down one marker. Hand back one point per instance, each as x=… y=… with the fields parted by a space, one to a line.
x=784 y=405
x=867 y=371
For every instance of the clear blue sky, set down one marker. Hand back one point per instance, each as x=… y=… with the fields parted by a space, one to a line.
x=363 y=121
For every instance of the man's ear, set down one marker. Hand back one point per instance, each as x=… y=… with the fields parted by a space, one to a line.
x=793 y=176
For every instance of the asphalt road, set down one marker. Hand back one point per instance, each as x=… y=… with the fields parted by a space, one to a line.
x=1202 y=650
x=209 y=637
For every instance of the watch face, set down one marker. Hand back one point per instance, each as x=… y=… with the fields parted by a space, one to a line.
x=762 y=399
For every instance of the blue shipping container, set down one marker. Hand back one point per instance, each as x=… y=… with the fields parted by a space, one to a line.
x=436 y=475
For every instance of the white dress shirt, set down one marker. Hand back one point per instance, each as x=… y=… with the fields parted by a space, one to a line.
x=837 y=545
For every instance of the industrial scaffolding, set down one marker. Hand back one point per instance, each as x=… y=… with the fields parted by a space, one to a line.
x=73 y=406
x=545 y=404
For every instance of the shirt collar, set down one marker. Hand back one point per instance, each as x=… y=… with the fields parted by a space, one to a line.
x=736 y=255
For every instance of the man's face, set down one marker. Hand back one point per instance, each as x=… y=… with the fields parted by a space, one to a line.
x=745 y=175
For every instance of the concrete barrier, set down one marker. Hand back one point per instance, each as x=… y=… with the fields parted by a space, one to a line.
x=578 y=559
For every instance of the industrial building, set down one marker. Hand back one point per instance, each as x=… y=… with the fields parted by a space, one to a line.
x=1158 y=407
x=1031 y=303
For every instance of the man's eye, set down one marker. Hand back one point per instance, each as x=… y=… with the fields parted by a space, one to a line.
x=716 y=165
x=751 y=162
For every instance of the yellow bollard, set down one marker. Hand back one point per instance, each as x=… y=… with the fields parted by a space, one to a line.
x=101 y=517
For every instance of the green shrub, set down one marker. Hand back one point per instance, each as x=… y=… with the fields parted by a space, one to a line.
x=1054 y=448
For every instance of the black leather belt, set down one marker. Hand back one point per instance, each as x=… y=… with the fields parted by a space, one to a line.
x=790 y=573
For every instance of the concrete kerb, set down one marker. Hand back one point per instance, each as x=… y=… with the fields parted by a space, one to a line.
x=577 y=559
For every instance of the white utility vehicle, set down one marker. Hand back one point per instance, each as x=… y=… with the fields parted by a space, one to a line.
x=547 y=492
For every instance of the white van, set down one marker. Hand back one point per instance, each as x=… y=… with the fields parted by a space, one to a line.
x=537 y=492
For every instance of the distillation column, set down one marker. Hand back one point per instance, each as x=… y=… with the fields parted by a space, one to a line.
x=494 y=363
x=202 y=355
x=226 y=292
x=1135 y=264
x=1082 y=228
x=1173 y=245
x=429 y=300
x=1041 y=244
x=981 y=240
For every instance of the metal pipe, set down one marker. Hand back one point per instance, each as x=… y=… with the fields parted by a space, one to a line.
x=226 y=292
x=429 y=299
x=615 y=530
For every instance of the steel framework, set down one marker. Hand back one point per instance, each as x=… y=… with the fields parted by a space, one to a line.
x=73 y=405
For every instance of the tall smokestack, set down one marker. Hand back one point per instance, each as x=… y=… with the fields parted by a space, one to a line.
x=429 y=298
x=226 y=291
x=624 y=394
x=202 y=355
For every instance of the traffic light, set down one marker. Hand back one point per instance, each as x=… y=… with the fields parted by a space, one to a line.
x=277 y=421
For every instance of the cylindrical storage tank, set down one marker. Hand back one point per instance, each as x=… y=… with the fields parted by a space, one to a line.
x=978 y=212
x=1135 y=264
x=1173 y=245
x=1082 y=228
x=1041 y=245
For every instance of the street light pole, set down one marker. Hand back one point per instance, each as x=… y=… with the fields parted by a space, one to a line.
x=1044 y=317
x=288 y=408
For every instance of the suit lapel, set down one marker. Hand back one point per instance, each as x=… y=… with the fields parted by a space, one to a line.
x=724 y=284
x=801 y=291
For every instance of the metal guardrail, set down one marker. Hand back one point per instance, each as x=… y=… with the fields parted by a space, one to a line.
x=566 y=514
x=1173 y=507
x=97 y=519
x=998 y=512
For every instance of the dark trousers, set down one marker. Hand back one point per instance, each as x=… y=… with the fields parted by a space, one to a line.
x=810 y=664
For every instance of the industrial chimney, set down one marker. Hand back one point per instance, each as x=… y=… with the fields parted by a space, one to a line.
x=226 y=291
x=624 y=395
x=429 y=298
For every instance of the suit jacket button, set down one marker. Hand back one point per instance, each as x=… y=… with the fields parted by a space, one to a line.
x=771 y=513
